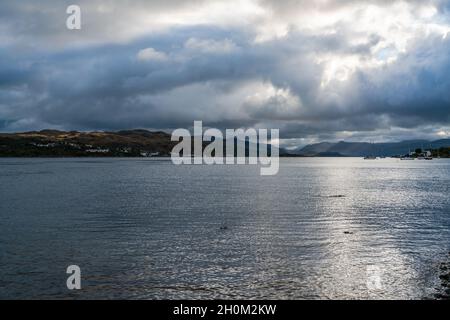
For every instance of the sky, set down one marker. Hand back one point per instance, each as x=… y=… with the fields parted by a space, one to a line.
x=325 y=70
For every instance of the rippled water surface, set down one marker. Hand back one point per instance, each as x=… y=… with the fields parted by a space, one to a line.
x=144 y=228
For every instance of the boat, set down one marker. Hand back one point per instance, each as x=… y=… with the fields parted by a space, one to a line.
x=407 y=157
x=371 y=157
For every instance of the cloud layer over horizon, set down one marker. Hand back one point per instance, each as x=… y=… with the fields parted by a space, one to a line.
x=318 y=70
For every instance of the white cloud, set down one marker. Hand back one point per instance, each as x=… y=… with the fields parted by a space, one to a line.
x=150 y=54
x=210 y=46
x=443 y=134
x=266 y=101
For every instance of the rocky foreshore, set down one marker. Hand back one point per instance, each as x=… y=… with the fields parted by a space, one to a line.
x=444 y=276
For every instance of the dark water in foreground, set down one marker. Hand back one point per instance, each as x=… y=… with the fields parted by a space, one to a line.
x=138 y=228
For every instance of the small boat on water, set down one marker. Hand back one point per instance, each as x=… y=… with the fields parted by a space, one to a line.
x=409 y=156
x=372 y=152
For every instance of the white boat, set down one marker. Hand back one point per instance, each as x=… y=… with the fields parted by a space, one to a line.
x=408 y=157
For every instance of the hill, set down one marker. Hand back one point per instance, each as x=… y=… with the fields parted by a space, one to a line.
x=61 y=143
x=361 y=149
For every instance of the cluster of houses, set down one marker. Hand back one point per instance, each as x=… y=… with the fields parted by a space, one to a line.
x=149 y=154
x=424 y=154
x=419 y=155
x=96 y=150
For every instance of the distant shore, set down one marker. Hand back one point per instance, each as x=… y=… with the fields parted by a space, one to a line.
x=143 y=143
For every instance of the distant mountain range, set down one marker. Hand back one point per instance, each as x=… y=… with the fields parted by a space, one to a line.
x=143 y=143
x=361 y=149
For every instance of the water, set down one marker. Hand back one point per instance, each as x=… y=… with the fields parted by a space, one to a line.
x=146 y=229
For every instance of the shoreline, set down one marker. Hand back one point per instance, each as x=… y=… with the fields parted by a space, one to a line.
x=444 y=276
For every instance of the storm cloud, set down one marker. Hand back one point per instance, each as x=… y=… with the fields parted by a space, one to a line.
x=353 y=70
